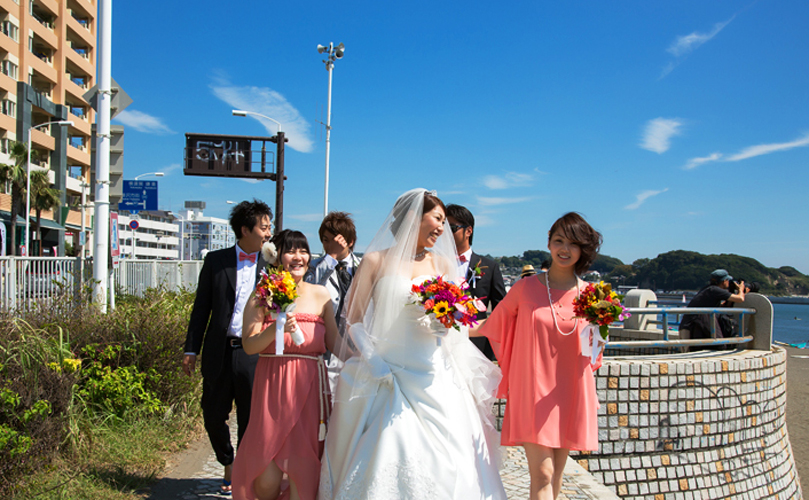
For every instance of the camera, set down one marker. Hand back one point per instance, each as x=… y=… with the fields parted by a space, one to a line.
x=752 y=286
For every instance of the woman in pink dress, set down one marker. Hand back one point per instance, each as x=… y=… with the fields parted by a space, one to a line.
x=290 y=403
x=552 y=403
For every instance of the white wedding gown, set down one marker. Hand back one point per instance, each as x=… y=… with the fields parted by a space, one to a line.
x=423 y=430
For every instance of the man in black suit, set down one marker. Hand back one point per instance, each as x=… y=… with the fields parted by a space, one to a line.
x=489 y=286
x=227 y=278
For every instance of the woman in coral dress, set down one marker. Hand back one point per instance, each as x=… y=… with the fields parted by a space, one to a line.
x=290 y=404
x=552 y=403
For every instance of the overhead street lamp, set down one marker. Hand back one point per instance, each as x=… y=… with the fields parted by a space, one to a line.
x=156 y=174
x=241 y=112
x=334 y=53
x=28 y=178
x=279 y=168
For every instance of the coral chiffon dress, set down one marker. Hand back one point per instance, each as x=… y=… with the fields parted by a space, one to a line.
x=289 y=402
x=547 y=381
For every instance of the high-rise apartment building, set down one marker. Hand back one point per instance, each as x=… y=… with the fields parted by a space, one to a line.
x=47 y=63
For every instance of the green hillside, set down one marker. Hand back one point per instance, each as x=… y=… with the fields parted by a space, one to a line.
x=683 y=270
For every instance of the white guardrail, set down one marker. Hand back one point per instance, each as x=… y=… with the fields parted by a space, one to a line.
x=27 y=281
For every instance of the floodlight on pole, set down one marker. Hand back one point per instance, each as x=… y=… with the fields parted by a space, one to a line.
x=333 y=53
x=28 y=178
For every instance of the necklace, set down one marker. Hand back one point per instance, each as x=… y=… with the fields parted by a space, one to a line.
x=553 y=309
x=420 y=254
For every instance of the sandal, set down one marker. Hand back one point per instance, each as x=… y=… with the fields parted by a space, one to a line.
x=225 y=489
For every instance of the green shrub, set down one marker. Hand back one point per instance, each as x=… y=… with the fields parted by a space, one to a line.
x=57 y=395
x=110 y=388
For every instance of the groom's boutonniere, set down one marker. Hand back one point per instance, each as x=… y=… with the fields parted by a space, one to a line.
x=477 y=272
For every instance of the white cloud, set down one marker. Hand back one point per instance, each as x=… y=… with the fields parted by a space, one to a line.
x=143 y=123
x=509 y=180
x=763 y=149
x=268 y=102
x=695 y=162
x=685 y=44
x=688 y=43
x=171 y=168
x=491 y=201
x=658 y=133
x=642 y=197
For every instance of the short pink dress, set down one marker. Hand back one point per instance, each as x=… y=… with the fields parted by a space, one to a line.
x=285 y=414
x=547 y=381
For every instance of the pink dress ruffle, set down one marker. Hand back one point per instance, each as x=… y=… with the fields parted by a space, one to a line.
x=548 y=383
x=285 y=415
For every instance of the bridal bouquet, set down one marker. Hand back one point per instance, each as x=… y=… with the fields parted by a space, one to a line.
x=446 y=304
x=600 y=306
x=277 y=291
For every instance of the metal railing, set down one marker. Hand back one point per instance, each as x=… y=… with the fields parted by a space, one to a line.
x=666 y=341
x=651 y=327
x=27 y=282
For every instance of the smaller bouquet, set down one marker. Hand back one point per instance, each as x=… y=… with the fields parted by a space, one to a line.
x=446 y=305
x=600 y=306
x=277 y=291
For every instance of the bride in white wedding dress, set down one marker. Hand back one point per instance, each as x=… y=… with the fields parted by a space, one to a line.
x=412 y=415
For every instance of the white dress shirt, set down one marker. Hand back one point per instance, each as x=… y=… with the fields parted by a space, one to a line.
x=463 y=267
x=245 y=284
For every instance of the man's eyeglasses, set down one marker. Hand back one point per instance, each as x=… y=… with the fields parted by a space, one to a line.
x=455 y=227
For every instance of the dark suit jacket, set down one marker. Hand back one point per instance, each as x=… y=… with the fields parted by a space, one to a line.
x=213 y=309
x=491 y=289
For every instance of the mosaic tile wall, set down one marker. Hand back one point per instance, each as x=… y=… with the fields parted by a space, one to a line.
x=695 y=428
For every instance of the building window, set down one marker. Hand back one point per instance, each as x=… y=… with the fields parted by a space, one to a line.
x=9 y=69
x=8 y=108
x=10 y=30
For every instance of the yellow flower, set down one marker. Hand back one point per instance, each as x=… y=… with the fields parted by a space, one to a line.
x=55 y=367
x=71 y=365
x=441 y=309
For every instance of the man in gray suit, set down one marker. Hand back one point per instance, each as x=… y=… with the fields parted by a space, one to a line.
x=336 y=268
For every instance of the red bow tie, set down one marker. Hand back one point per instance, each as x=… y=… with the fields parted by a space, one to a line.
x=250 y=257
x=462 y=258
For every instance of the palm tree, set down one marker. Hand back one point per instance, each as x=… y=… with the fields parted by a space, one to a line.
x=16 y=174
x=43 y=197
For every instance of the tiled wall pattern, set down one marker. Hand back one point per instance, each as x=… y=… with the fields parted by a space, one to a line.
x=694 y=428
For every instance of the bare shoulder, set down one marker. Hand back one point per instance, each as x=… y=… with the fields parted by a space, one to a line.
x=317 y=292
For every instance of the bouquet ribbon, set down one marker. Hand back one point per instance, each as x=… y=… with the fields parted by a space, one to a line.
x=592 y=343
x=280 y=323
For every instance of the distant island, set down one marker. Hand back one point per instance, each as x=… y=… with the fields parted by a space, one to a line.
x=681 y=270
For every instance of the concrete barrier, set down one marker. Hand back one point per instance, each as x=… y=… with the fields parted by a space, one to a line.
x=707 y=425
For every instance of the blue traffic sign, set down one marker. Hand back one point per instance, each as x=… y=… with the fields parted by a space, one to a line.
x=139 y=195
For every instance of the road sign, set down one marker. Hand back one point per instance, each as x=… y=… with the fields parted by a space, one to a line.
x=115 y=247
x=139 y=195
x=119 y=101
x=133 y=224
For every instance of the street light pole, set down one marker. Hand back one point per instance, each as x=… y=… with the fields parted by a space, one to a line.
x=334 y=53
x=279 y=167
x=28 y=180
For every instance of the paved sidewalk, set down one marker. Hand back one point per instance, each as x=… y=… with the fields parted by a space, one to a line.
x=199 y=475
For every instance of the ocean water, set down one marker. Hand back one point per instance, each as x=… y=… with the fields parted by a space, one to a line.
x=791 y=323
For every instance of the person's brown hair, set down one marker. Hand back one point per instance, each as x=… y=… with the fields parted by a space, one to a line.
x=573 y=227
x=339 y=223
x=431 y=201
x=400 y=209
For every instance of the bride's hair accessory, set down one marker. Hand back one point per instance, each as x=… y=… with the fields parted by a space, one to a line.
x=269 y=253
x=434 y=193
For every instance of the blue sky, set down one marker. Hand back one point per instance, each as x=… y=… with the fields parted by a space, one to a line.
x=681 y=125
